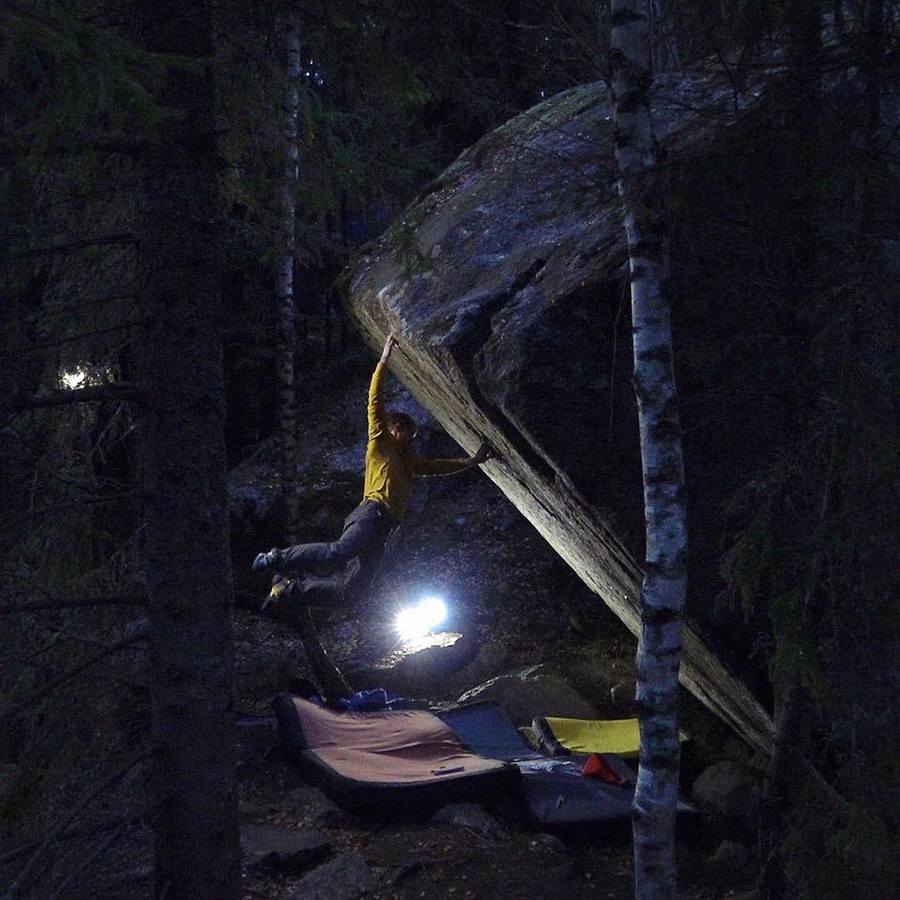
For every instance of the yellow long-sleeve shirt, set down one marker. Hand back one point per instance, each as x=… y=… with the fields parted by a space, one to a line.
x=390 y=467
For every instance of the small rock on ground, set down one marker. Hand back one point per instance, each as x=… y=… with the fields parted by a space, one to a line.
x=281 y=849
x=469 y=815
x=345 y=877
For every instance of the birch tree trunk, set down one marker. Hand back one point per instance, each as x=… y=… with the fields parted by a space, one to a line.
x=284 y=279
x=330 y=678
x=663 y=587
x=182 y=451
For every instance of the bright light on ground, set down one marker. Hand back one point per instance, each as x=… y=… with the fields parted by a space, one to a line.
x=425 y=616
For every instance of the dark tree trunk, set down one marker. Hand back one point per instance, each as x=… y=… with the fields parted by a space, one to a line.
x=183 y=463
x=874 y=49
x=804 y=34
x=838 y=15
x=783 y=782
x=513 y=69
x=284 y=279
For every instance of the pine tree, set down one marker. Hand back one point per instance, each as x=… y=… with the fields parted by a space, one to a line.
x=182 y=449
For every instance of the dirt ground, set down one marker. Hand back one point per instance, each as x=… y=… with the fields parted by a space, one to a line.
x=420 y=859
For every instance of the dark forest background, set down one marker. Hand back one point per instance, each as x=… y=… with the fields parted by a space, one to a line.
x=141 y=166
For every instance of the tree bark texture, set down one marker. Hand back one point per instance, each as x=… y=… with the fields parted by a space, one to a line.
x=183 y=467
x=783 y=783
x=663 y=44
x=873 y=52
x=284 y=279
x=664 y=582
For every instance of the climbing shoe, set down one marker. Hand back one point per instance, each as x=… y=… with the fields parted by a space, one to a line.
x=265 y=561
x=281 y=587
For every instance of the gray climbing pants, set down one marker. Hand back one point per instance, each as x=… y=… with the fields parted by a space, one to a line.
x=346 y=565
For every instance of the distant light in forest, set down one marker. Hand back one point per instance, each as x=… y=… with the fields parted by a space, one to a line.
x=74 y=378
x=80 y=376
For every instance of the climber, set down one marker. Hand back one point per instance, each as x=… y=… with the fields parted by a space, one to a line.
x=340 y=569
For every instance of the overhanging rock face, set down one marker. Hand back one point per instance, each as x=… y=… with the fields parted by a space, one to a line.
x=504 y=284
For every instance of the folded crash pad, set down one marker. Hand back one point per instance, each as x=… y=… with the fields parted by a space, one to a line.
x=557 y=795
x=386 y=759
x=486 y=729
x=621 y=736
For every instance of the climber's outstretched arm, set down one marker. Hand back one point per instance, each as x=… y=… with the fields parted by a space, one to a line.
x=378 y=423
x=450 y=466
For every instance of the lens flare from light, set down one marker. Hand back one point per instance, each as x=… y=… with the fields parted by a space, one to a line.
x=425 y=616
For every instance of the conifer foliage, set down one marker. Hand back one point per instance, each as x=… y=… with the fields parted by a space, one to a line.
x=149 y=192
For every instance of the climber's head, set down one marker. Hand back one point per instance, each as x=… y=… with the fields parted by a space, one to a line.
x=402 y=428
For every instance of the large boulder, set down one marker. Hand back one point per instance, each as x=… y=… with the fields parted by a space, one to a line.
x=506 y=282
x=532 y=692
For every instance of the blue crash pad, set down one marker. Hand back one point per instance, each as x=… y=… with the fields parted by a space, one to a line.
x=486 y=729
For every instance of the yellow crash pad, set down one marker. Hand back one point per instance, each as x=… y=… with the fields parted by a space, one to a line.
x=619 y=736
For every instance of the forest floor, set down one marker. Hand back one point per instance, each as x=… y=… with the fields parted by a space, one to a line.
x=504 y=585
x=412 y=858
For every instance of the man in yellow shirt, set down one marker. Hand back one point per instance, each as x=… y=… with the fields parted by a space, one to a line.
x=390 y=470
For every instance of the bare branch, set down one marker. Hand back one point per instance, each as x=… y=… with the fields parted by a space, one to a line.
x=72 y=603
x=118 y=390
x=85 y=861
x=71 y=338
x=117 y=238
x=30 y=516
x=123 y=644
x=99 y=828
x=27 y=873
x=17 y=145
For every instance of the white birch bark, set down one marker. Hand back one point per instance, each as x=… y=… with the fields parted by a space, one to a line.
x=284 y=277
x=663 y=588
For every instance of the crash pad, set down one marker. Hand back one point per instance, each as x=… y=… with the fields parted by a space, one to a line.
x=386 y=759
x=556 y=795
x=553 y=791
x=621 y=736
x=486 y=729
